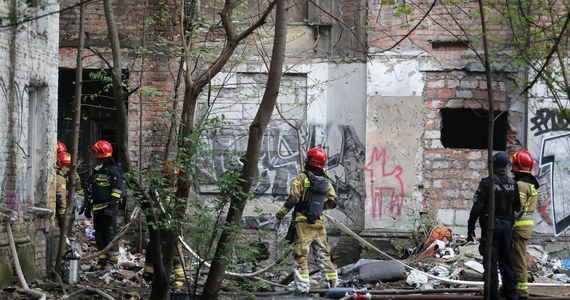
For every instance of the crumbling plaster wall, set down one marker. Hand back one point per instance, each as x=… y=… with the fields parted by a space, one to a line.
x=412 y=76
x=394 y=127
x=28 y=98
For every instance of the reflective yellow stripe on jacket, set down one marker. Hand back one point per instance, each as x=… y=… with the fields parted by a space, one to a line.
x=103 y=181
x=527 y=218
x=100 y=206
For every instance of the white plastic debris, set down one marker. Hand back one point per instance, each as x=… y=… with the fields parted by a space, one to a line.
x=474 y=266
x=416 y=279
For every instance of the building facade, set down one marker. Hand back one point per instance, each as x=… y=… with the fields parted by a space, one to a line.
x=398 y=100
x=28 y=100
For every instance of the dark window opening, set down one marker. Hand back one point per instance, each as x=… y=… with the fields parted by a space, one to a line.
x=449 y=45
x=467 y=128
x=98 y=115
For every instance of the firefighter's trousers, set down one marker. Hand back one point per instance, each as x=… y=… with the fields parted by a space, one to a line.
x=312 y=236
x=521 y=235
x=105 y=225
x=501 y=258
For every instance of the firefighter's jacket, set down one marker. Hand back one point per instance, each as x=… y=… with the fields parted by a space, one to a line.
x=297 y=194
x=528 y=191
x=61 y=192
x=106 y=186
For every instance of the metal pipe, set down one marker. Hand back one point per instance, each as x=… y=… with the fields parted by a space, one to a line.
x=443 y=296
x=410 y=291
x=17 y=266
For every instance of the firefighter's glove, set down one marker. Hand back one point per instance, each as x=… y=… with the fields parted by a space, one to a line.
x=87 y=209
x=276 y=224
x=470 y=236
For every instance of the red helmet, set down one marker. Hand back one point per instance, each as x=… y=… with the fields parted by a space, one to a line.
x=103 y=149
x=61 y=147
x=63 y=158
x=522 y=161
x=169 y=169
x=316 y=157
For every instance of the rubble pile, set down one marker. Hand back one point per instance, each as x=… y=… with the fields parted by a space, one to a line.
x=435 y=265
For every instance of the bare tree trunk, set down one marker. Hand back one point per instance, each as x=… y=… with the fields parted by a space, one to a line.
x=256 y=131
x=490 y=132
x=69 y=210
x=117 y=76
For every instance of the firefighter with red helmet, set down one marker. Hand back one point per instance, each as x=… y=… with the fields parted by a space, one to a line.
x=522 y=163
x=78 y=189
x=106 y=189
x=61 y=147
x=61 y=179
x=62 y=183
x=311 y=193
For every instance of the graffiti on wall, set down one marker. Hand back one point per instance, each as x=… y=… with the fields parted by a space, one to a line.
x=280 y=163
x=345 y=167
x=553 y=173
x=546 y=121
x=384 y=181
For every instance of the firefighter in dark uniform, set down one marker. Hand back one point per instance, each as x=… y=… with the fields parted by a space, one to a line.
x=311 y=192
x=506 y=203
x=106 y=185
x=522 y=163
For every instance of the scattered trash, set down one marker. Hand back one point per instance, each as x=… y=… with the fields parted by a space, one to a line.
x=416 y=279
x=440 y=270
x=560 y=277
x=475 y=266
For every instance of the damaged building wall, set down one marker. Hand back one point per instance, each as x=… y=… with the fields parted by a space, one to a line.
x=325 y=98
x=326 y=102
x=379 y=112
x=28 y=97
x=371 y=93
x=416 y=164
x=153 y=69
x=393 y=132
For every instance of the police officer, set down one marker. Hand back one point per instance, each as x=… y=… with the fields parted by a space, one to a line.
x=506 y=203
x=522 y=163
x=106 y=185
x=311 y=192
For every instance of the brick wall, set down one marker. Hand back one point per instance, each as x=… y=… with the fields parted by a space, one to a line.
x=451 y=176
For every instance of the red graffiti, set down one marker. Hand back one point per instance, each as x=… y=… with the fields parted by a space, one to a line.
x=376 y=191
